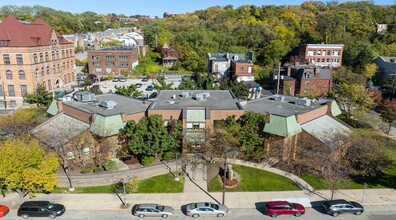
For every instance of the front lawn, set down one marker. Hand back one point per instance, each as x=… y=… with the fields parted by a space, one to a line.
x=254 y=180
x=157 y=184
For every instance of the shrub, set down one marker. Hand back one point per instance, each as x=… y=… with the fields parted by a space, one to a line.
x=110 y=165
x=146 y=160
x=109 y=77
x=98 y=170
x=87 y=170
x=168 y=156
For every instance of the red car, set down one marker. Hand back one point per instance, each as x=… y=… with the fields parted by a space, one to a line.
x=4 y=210
x=276 y=208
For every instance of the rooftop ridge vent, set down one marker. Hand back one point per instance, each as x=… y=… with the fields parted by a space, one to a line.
x=84 y=96
x=108 y=104
x=278 y=98
x=303 y=101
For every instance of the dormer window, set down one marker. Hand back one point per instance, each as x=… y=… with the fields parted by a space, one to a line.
x=3 y=43
x=235 y=57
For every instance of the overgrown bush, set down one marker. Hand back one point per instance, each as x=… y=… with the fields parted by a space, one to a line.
x=98 y=170
x=87 y=170
x=146 y=160
x=168 y=156
x=110 y=165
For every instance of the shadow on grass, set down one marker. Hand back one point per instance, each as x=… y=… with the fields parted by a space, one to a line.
x=260 y=207
x=384 y=180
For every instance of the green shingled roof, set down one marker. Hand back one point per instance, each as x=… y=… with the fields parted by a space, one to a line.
x=107 y=126
x=282 y=126
x=335 y=109
x=53 y=108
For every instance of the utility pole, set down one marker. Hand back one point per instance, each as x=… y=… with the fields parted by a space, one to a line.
x=224 y=175
x=278 y=78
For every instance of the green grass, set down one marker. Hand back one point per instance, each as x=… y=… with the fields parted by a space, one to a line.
x=157 y=184
x=254 y=180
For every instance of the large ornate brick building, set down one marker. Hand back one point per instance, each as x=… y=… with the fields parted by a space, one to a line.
x=32 y=54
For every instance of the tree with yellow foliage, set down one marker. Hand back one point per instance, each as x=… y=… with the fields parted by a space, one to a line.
x=25 y=168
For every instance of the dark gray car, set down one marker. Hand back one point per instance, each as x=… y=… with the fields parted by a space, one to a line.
x=206 y=208
x=339 y=206
x=152 y=210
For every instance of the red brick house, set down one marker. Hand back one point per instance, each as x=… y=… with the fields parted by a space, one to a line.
x=169 y=55
x=322 y=54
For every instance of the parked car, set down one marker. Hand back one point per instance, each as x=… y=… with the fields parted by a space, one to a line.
x=206 y=208
x=156 y=210
x=145 y=79
x=4 y=210
x=276 y=208
x=93 y=77
x=40 y=209
x=339 y=206
x=116 y=79
x=150 y=88
x=123 y=79
x=138 y=85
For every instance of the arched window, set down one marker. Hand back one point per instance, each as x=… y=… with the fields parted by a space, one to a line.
x=22 y=75
x=8 y=74
x=42 y=71
x=48 y=70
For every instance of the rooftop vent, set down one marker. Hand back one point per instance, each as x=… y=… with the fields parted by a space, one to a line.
x=202 y=96
x=278 y=98
x=303 y=101
x=108 y=104
x=84 y=96
x=187 y=94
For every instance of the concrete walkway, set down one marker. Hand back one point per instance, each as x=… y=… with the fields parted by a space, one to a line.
x=195 y=177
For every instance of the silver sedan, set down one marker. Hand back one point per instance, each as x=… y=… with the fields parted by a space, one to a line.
x=142 y=210
x=206 y=208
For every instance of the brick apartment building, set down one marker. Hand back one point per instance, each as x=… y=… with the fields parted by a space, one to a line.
x=113 y=60
x=322 y=54
x=32 y=54
x=242 y=70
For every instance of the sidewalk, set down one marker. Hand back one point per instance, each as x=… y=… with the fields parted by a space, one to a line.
x=90 y=202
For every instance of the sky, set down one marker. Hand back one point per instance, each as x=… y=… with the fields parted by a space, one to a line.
x=151 y=7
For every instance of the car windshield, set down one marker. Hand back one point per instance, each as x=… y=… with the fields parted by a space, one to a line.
x=326 y=204
x=292 y=205
x=50 y=206
x=160 y=207
x=214 y=206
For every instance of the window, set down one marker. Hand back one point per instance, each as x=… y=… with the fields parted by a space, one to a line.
x=123 y=57
x=41 y=57
x=307 y=84
x=49 y=85
x=324 y=53
x=109 y=63
x=6 y=58
x=67 y=53
x=53 y=68
x=63 y=53
x=46 y=56
x=318 y=60
x=58 y=68
x=241 y=68
x=327 y=60
x=23 y=89
x=336 y=52
x=310 y=52
x=64 y=78
x=68 y=77
x=95 y=57
x=53 y=55
x=57 y=54
x=195 y=126
x=123 y=64
x=63 y=66
x=314 y=52
x=319 y=52
x=328 y=52
x=22 y=75
x=42 y=71
x=95 y=63
x=48 y=70
x=11 y=90
x=71 y=52
x=323 y=59
x=1 y=90
x=109 y=57
x=35 y=58
x=8 y=74
x=19 y=59
x=67 y=65
x=3 y=43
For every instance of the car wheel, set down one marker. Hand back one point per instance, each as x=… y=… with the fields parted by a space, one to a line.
x=358 y=212
x=335 y=214
x=274 y=215
x=52 y=216
x=141 y=216
x=25 y=216
x=195 y=216
x=164 y=216
x=220 y=215
x=298 y=214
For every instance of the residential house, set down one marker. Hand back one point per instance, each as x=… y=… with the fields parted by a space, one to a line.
x=242 y=70
x=219 y=64
x=387 y=66
x=302 y=79
x=113 y=60
x=32 y=54
x=322 y=54
x=169 y=55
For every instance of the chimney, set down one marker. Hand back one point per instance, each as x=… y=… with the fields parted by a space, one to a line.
x=288 y=71
x=317 y=72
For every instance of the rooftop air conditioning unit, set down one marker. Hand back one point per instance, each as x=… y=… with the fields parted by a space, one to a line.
x=199 y=97
x=186 y=94
x=108 y=104
x=279 y=98
x=303 y=102
x=84 y=96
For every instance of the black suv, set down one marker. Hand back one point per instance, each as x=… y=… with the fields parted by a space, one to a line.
x=336 y=207
x=40 y=209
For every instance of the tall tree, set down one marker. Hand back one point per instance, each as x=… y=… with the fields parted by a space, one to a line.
x=26 y=168
x=388 y=113
x=40 y=96
x=22 y=121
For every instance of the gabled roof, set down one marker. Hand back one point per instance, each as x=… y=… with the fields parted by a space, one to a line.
x=20 y=34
